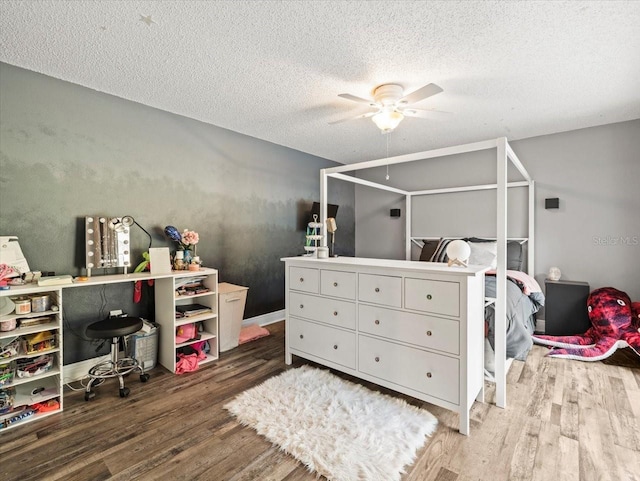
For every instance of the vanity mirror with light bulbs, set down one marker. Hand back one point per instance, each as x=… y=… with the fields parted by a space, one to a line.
x=107 y=242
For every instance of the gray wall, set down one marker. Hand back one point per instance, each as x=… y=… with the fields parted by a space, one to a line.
x=594 y=236
x=67 y=151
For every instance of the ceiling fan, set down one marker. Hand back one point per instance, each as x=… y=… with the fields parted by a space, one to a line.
x=391 y=104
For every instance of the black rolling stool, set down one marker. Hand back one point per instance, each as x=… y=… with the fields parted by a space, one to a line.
x=114 y=328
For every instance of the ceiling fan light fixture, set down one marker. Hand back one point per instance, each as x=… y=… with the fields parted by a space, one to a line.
x=386 y=120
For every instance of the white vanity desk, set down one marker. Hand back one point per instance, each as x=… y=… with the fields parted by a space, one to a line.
x=414 y=327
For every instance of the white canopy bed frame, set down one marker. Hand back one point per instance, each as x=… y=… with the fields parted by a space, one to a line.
x=504 y=154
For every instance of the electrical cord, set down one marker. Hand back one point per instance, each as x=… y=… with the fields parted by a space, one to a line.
x=97 y=383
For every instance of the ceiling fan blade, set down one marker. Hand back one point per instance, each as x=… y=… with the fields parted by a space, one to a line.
x=353 y=98
x=423 y=114
x=361 y=116
x=421 y=94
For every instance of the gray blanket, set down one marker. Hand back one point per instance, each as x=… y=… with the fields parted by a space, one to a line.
x=520 y=317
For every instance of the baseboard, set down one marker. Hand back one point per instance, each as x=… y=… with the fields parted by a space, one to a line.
x=78 y=370
x=540 y=326
x=265 y=319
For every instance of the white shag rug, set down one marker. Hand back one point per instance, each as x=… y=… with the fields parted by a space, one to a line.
x=338 y=429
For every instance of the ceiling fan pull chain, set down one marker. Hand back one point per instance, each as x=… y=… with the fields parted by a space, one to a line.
x=388 y=135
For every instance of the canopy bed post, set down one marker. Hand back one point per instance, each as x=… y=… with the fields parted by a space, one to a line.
x=531 y=243
x=323 y=206
x=501 y=276
x=531 y=247
x=407 y=229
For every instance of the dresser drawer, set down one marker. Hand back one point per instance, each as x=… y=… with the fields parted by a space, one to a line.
x=432 y=332
x=422 y=371
x=332 y=311
x=304 y=279
x=385 y=290
x=439 y=297
x=338 y=284
x=323 y=341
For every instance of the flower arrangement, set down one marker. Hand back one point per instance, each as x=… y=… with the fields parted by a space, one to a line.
x=190 y=239
x=186 y=241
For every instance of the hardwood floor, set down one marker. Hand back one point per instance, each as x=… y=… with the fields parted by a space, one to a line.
x=566 y=420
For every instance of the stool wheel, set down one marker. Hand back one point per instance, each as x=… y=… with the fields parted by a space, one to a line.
x=88 y=396
x=144 y=377
x=124 y=391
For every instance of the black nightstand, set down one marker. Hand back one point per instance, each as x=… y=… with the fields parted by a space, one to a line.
x=565 y=308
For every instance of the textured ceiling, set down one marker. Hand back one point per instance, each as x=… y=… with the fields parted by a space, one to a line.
x=273 y=69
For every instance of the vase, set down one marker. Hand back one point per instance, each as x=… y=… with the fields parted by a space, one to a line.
x=188 y=257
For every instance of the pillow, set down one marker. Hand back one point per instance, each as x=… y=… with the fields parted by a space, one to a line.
x=428 y=249
x=514 y=256
x=440 y=255
x=484 y=254
x=514 y=252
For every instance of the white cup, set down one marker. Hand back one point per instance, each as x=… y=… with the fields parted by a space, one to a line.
x=323 y=252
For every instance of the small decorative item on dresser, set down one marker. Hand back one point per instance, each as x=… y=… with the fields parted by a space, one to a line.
x=196 y=263
x=187 y=243
x=458 y=252
x=178 y=262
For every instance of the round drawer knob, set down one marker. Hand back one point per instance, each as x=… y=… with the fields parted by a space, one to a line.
x=335 y=313
x=335 y=346
x=429 y=333
x=376 y=322
x=302 y=279
x=429 y=296
x=301 y=306
x=335 y=284
x=377 y=289
x=428 y=374
x=301 y=336
x=377 y=359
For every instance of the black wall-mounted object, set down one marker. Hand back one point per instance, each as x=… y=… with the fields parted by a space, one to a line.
x=395 y=212
x=552 y=203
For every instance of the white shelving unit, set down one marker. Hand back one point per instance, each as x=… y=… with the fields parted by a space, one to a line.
x=49 y=385
x=167 y=299
x=41 y=387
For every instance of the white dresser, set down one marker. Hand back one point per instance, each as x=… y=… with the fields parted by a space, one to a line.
x=414 y=327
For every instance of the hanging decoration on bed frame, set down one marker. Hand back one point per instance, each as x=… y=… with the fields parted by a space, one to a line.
x=615 y=323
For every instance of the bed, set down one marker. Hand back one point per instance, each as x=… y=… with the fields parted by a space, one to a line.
x=505 y=158
x=524 y=295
